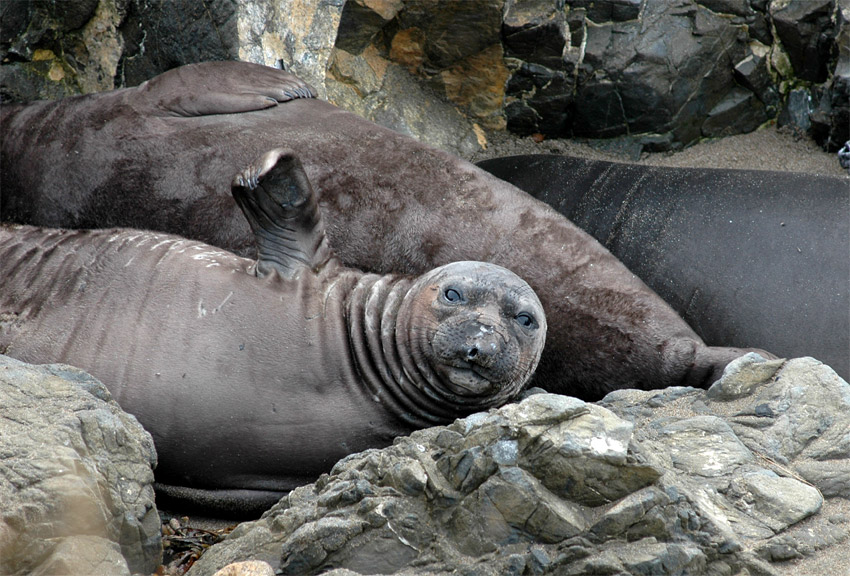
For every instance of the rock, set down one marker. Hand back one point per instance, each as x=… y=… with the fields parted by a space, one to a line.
x=797 y=111
x=76 y=477
x=657 y=73
x=807 y=32
x=296 y=34
x=831 y=119
x=740 y=111
x=54 y=49
x=535 y=32
x=361 y=84
x=676 y=481
x=609 y=10
x=437 y=75
x=250 y=568
x=752 y=73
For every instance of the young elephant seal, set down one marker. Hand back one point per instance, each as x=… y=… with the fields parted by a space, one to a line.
x=158 y=156
x=255 y=377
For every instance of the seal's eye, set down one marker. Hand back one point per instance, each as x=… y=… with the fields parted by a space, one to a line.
x=452 y=295
x=526 y=320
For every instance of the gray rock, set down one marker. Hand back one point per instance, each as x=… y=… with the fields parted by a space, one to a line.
x=740 y=111
x=677 y=481
x=752 y=73
x=797 y=111
x=295 y=34
x=76 y=477
x=807 y=31
x=253 y=568
x=831 y=119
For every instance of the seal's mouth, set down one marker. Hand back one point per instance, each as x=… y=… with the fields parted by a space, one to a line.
x=469 y=380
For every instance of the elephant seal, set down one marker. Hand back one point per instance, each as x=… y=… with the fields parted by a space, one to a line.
x=742 y=255
x=144 y=158
x=256 y=377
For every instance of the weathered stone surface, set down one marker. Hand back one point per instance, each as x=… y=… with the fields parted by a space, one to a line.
x=679 y=481
x=52 y=49
x=807 y=32
x=76 y=477
x=433 y=71
x=362 y=84
x=657 y=73
x=296 y=34
x=831 y=118
x=250 y=568
x=740 y=111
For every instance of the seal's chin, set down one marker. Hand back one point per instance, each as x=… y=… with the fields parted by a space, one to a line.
x=465 y=380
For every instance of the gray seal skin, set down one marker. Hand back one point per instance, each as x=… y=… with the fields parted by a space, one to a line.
x=254 y=377
x=744 y=256
x=158 y=156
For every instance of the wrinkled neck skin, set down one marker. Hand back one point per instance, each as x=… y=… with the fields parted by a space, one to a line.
x=390 y=355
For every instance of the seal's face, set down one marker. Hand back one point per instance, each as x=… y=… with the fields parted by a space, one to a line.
x=477 y=332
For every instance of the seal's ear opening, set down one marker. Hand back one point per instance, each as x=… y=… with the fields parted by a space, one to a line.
x=277 y=199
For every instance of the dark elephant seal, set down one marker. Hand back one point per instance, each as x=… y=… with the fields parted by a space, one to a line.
x=743 y=256
x=157 y=156
x=255 y=377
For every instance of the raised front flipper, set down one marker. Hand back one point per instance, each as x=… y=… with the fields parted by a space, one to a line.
x=218 y=88
x=278 y=201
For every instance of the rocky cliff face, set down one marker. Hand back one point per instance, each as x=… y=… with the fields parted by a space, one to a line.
x=662 y=74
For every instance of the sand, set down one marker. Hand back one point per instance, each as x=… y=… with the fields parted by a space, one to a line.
x=768 y=148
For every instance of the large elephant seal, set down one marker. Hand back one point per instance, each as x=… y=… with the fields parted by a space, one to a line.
x=157 y=156
x=743 y=256
x=255 y=377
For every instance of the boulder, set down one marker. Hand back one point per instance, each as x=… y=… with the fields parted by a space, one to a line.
x=678 y=481
x=806 y=29
x=76 y=477
x=831 y=118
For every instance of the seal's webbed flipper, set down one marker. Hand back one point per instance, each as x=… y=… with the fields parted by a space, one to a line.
x=210 y=88
x=278 y=201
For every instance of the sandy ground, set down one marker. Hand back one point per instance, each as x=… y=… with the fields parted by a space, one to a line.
x=768 y=148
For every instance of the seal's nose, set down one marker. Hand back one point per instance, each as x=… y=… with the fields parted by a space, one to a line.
x=483 y=343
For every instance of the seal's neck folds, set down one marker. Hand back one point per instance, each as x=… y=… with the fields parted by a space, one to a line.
x=372 y=309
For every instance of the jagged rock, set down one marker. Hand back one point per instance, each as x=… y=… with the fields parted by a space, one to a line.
x=609 y=10
x=297 y=34
x=807 y=32
x=740 y=111
x=535 y=32
x=411 y=67
x=676 y=481
x=662 y=74
x=53 y=49
x=831 y=119
x=76 y=477
x=797 y=111
x=752 y=73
